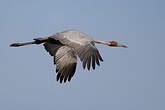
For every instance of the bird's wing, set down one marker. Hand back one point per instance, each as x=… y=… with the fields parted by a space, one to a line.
x=88 y=54
x=65 y=60
x=51 y=48
x=83 y=46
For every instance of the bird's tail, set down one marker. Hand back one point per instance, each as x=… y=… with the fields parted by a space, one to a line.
x=21 y=44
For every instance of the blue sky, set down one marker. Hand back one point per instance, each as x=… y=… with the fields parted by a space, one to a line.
x=128 y=79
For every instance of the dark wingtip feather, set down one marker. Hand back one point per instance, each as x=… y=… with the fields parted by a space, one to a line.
x=101 y=59
x=84 y=62
x=88 y=68
x=69 y=79
x=65 y=79
x=89 y=62
x=84 y=65
x=97 y=61
x=93 y=61
x=58 y=76
x=61 y=79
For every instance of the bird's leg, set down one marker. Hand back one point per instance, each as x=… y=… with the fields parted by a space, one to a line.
x=22 y=44
x=37 y=41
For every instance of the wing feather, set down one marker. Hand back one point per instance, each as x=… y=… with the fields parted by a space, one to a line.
x=65 y=60
x=83 y=46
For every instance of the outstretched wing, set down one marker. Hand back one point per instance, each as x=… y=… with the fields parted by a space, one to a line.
x=82 y=44
x=65 y=60
x=89 y=55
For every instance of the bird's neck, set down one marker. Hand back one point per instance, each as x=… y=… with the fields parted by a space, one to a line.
x=101 y=42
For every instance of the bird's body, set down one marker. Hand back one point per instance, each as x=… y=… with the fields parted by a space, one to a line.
x=65 y=47
x=75 y=36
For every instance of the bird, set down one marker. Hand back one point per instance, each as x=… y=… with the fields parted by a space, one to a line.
x=66 y=46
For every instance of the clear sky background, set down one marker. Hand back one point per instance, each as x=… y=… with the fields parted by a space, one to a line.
x=128 y=79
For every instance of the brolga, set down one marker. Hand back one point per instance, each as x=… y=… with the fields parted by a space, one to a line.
x=66 y=46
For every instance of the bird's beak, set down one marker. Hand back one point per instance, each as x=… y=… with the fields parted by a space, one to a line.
x=121 y=45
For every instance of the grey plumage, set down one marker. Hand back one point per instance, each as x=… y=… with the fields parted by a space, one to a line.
x=65 y=47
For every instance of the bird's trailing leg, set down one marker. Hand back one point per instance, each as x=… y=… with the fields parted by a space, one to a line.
x=22 y=44
x=36 y=41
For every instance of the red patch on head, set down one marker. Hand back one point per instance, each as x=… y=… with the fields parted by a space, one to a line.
x=112 y=43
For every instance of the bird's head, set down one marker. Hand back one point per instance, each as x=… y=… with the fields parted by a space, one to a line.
x=116 y=44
